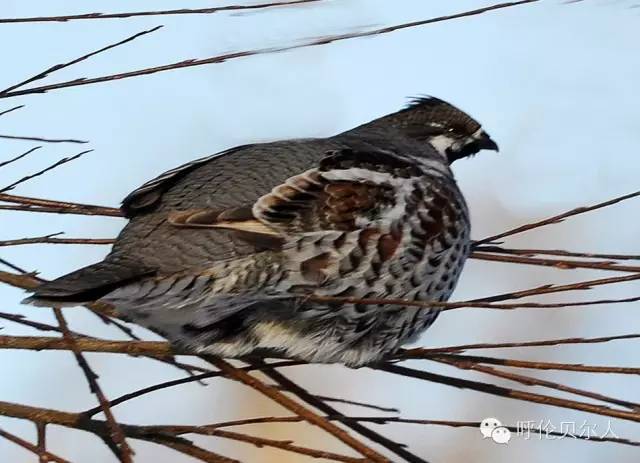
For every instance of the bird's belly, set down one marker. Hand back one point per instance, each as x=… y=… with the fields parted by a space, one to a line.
x=405 y=262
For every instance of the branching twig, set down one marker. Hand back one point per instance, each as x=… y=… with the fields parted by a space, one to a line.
x=133 y=14
x=26 y=153
x=304 y=395
x=531 y=381
x=241 y=54
x=177 y=382
x=557 y=218
x=57 y=67
x=117 y=440
x=548 y=342
x=555 y=263
x=61 y=207
x=49 y=239
x=538 y=365
x=501 y=391
x=295 y=407
x=396 y=419
x=43 y=455
x=555 y=252
x=47 y=169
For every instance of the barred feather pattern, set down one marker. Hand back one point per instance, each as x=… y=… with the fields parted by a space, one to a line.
x=371 y=226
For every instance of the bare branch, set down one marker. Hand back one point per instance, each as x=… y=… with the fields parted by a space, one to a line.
x=147 y=348
x=465 y=304
x=60 y=207
x=2 y=164
x=49 y=239
x=41 y=430
x=476 y=425
x=7 y=111
x=47 y=169
x=555 y=252
x=535 y=365
x=133 y=14
x=241 y=54
x=46 y=140
x=509 y=393
x=548 y=342
x=551 y=288
x=396 y=419
x=295 y=407
x=101 y=429
x=557 y=218
x=42 y=454
x=555 y=263
x=117 y=440
x=177 y=382
x=57 y=67
x=304 y=395
x=531 y=381
x=257 y=441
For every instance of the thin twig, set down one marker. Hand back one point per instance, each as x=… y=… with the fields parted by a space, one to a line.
x=555 y=252
x=41 y=431
x=557 y=218
x=101 y=429
x=241 y=54
x=476 y=425
x=47 y=169
x=61 y=206
x=12 y=266
x=20 y=319
x=547 y=342
x=551 y=288
x=177 y=382
x=45 y=140
x=538 y=365
x=501 y=391
x=49 y=239
x=555 y=263
x=133 y=14
x=57 y=67
x=304 y=395
x=531 y=381
x=257 y=441
x=43 y=455
x=147 y=348
x=466 y=304
x=396 y=419
x=357 y=403
x=7 y=111
x=17 y=158
x=117 y=441
x=295 y=407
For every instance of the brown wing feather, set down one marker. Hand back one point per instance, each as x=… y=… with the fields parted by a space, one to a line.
x=309 y=202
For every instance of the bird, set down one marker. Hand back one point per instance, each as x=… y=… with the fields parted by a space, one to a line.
x=224 y=255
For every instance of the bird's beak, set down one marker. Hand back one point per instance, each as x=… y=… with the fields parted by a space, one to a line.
x=485 y=142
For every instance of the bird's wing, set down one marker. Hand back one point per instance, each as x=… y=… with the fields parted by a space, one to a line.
x=346 y=190
x=148 y=195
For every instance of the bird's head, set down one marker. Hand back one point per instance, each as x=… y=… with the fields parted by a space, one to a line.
x=451 y=132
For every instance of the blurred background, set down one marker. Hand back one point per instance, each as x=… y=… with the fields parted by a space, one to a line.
x=553 y=82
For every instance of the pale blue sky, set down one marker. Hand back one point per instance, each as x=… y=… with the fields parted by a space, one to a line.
x=554 y=83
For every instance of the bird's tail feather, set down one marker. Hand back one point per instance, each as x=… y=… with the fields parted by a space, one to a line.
x=87 y=284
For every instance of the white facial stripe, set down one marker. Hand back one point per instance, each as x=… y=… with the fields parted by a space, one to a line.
x=441 y=142
x=478 y=134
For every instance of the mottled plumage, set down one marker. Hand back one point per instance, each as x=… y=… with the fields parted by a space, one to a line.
x=218 y=253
